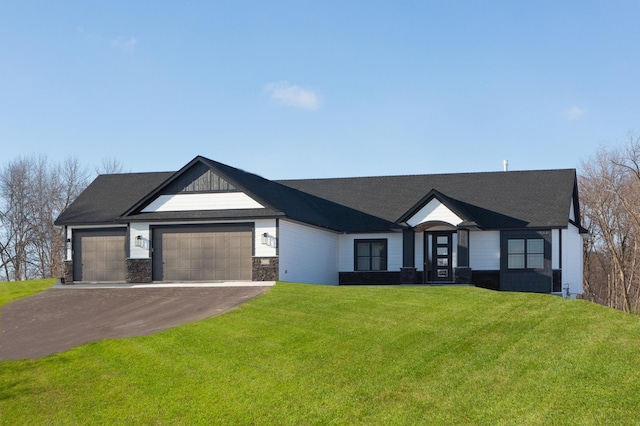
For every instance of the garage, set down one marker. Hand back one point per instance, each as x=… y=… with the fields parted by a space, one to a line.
x=99 y=254
x=202 y=253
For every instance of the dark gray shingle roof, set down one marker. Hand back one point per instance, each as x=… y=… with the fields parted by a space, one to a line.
x=533 y=199
x=493 y=200
x=108 y=196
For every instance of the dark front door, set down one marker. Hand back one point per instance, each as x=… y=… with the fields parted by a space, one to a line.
x=441 y=256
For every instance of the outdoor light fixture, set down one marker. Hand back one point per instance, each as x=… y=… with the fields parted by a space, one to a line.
x=268 y=240
x=139 y=241
x=68 y=243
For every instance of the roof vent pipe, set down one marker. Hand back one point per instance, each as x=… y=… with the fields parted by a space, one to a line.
x=505 y=165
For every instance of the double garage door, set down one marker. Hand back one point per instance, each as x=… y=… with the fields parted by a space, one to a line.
x=202 y=253
x=180 y=253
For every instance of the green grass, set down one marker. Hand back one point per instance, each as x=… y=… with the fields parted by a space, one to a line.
x=305 y=354
x=10 y=291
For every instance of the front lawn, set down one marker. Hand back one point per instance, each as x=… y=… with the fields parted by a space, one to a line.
x=303 y=354
x=10 y=291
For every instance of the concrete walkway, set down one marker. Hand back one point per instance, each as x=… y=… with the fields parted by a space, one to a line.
x=65 y=316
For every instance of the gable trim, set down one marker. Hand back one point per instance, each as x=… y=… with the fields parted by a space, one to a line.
x=444 y=201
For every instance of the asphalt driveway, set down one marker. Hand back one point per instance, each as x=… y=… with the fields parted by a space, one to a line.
x=60 y=318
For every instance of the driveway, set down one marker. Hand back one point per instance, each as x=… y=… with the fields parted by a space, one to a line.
x=60 y=318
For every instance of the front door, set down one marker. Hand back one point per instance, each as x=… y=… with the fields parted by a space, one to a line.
x=442 y=257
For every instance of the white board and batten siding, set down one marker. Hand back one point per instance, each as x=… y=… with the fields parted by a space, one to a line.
x=307 y=254
x=394 y=249
x=206 y=201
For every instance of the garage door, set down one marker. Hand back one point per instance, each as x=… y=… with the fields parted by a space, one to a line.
x=99 y=255
x=202 y=253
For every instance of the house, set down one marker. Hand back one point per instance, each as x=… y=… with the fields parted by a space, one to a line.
x=512 y=231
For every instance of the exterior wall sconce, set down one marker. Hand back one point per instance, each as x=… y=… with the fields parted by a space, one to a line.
x=269 y=240
x=68 y=243
x=139 y=241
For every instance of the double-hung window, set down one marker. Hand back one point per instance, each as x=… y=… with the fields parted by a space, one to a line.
x=370 y=255
x=525 y=253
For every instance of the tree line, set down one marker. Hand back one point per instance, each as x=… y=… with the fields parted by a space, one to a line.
x=609 y=185
x=33 y=192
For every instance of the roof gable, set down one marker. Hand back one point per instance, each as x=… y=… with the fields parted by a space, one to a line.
x=198 y=186
x=434 y=208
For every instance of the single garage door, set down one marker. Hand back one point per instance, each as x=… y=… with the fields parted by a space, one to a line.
x=99 y=254
x=202 y=253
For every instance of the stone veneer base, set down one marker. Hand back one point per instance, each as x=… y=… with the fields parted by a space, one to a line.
x=138 y=270
x=265 y=269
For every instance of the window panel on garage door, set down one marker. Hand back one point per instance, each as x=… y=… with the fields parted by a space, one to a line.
x=193 y=253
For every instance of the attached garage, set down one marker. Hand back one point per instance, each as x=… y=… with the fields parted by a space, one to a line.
x=100 y=254
x=202 y=252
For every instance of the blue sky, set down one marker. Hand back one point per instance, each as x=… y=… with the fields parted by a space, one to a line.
x=319 y=89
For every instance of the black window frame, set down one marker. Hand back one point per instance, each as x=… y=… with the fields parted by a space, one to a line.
x=370 y=242
x=525 y=253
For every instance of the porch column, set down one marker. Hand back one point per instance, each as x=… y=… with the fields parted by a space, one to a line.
x=408 y=272
x=463 y=248
x=463 y=271
x=408 y=248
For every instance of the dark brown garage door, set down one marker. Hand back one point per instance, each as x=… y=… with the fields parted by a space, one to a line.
x=202 y=253
x=99 y=255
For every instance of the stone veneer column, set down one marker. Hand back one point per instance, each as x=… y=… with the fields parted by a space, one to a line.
x=138 y=270
x=408 y=275
x=68 y=272
x=463 y=275
x=265 y=269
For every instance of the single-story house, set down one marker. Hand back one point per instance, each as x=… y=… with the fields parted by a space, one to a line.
x=511 y=230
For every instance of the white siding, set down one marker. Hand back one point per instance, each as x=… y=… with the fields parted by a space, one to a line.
x=265 y=226
x=572 y=213
x=484 y=250
x=307 y=254
x=190 y=202
x=555 y=249
x=394 y=250
x=434 y=210
x=68 y=249
x=572 y=261
x=141 y=229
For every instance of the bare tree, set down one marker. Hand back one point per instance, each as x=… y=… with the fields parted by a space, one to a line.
x=32 y=195
x=109 y=165
x=610 y=196
x=16 y=219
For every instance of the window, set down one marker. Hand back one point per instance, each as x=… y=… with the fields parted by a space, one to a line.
x=370 y=255
x=525 y=253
